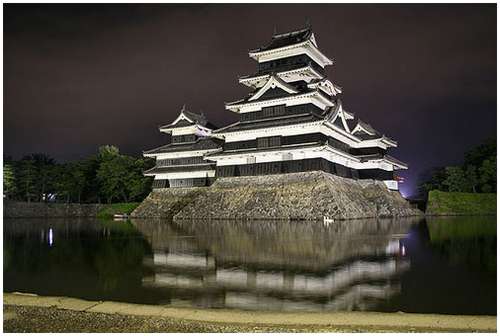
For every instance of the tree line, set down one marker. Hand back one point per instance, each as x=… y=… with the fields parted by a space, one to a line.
x=477 y=174
x=105 y=177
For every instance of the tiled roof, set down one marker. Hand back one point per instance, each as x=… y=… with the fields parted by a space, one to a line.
x=201 y=143
x=379 y=156
x=271 y=122
x=180 y=123
x=284 y=68
x=365 y=136
x=285 y=39
x=268 y=149
x=198 y=119
x=301 y=88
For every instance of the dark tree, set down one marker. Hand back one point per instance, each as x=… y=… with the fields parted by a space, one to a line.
x=478 y=154
x=9 y=182
x=477 y=174
x=120 y=176
x=26 y=178
x=108 y=176
x=432 y=179
x=45 y=175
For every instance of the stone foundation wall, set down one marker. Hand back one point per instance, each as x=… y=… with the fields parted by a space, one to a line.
x=304 y=196
x=49 y=210
x=165 y=203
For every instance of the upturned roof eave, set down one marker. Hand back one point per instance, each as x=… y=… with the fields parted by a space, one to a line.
x=325 y=59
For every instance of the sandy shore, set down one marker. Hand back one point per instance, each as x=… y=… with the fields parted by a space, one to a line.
x=31 y=313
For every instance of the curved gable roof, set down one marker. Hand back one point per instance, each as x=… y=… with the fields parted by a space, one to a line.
x=187 y=118
x=285 y=39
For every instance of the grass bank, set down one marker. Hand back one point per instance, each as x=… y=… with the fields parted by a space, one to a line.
x=442 y=203
x=116 y=208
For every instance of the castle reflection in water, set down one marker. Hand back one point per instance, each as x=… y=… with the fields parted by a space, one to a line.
x=349 y=265
x=431 y=265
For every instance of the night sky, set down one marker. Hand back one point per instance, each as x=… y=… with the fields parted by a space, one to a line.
x=76 y=77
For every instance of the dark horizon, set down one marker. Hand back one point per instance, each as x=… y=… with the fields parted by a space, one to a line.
x=80 y=76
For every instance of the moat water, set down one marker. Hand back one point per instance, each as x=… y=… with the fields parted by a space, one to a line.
x=437 y=265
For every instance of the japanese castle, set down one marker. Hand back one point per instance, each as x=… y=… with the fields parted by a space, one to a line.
x=292 y=121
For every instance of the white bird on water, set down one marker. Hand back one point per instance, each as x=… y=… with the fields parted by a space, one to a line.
x=327 y=221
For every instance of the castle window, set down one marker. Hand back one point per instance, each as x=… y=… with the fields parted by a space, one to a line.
x=274 y=141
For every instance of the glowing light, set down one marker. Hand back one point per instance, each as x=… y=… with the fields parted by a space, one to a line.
x=51 y=237
x=403 y=251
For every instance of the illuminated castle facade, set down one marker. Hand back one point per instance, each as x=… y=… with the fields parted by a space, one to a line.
x=292 y=121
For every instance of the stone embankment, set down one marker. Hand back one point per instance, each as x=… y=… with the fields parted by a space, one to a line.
x=13 y=209
x=298 y=196
x=166 y=203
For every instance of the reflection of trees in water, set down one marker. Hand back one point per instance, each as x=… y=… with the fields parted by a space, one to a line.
x=83 y=257
x=466 y=240
x=285 y=265
x=118 y=259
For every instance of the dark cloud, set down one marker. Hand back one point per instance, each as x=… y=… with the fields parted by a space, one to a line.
x=77 y=76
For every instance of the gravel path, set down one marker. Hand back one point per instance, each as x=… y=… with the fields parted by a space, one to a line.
x=48 y=319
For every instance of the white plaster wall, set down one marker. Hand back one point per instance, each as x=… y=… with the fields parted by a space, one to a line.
x=184 y=175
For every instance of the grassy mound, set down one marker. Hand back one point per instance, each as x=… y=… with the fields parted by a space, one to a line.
x=456 y=203
x=117 y=208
